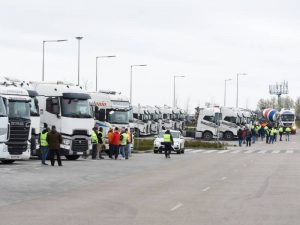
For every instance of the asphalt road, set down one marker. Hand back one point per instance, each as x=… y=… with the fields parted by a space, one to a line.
x=237 y=186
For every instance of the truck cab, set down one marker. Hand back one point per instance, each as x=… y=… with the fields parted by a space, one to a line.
x=229 y=125
x=141 y=117
x=207 y=127
x=288 y=119
x=153 y=121
x=67 y=107
x=15 y=123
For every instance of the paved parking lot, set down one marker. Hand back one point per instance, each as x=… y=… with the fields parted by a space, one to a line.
x=257 y=185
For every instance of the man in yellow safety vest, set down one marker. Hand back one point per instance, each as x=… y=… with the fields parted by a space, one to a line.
x=44 y=146
x=168 y=141
x=94 y=142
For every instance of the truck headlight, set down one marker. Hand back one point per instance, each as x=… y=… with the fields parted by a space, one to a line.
x=66 y=141
x=294 y=127
x=157 y=143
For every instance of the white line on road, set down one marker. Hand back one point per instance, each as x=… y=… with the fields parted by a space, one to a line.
x=197 y=151
x=176 y=207
x=206 y=189
x=236 y=151
x=222 y=151
x=275 y=151
x=248 y=152
x=290 y=151
x=262 y=152
x=209 y=151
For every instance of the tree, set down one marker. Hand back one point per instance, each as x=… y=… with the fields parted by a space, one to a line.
x=297 y=107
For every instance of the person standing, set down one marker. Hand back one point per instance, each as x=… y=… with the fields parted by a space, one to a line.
x=94 y=142
x=54 y=141
x=240 y=137
x=272 y=135
x=168 y=141
x=287 y=133
x=267 y=132
x=101 y=143
x=280 y=133
x=44 y=146
x=253 y=131
x=244 y=133
x=123 y=144
x=110 y=150
x=116 y=142
x=130 y=138
x=248 y=138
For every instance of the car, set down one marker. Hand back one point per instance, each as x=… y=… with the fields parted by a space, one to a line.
x=177 y=147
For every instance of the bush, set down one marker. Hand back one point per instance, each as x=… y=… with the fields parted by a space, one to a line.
x=203 y=144
x=143 y=144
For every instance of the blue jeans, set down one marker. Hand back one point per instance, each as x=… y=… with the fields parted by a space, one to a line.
x=287 y=136
x=240 y=142
x=44 y=152
x=122 y=150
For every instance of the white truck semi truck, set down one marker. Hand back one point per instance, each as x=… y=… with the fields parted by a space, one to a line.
x=229 y=125
x=34 y=111
x=140 y=124
x=288 y=119
x=111 y=109
x=166 y=121
x=14 y=123
x=154 y=117
x=68 y=108
x=207 y=127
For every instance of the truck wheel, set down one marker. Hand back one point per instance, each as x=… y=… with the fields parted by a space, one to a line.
x=228 y=136
x=182 y=151
x=72 y=157
x=155 y=151
x=178 y=152
x=207 y=136
x=8 y=161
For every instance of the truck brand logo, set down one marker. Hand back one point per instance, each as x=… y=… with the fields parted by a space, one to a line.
x=17 y=123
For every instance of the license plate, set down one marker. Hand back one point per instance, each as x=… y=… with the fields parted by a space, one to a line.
x=15 y=157
x=79 y=153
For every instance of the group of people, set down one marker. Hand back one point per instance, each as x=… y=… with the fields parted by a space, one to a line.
x=251 y=135
x=120 y=143
x=50 y=141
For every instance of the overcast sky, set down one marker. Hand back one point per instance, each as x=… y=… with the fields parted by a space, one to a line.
x=207 y=41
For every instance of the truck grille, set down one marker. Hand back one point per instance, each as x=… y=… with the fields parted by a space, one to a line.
x=80 y=132
x=80 y=145
x=18 y=136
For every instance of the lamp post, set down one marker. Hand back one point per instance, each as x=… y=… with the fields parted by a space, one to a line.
x=43 y=64
x=97 y=57
x=237 y=87
x=131 y=67
x=174 y=102
x=78 y=38
x=225 y=89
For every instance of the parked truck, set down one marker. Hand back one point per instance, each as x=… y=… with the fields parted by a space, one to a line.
x=288 y=119
x=140 y=121
x=207 y=125
x=67 y=107
x=15 y=122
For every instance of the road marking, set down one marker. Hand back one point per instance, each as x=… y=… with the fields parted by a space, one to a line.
x=276 y=152
x=176 y=207
x=206 y=189
x=209 y=151
x=290 y=151
x=262 y=152
x=223 y=178
x=197 y=151
x=236 y=151
x=222 y=151
x=248 y=152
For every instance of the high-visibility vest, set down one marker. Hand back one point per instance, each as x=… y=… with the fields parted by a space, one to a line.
x=43 y=139
x=273 y=131
x=167 y=138
x=288 y=130
x=94 y=137
x=129 y=136
x=124 y=139
x=280 y=129
x=102 y=135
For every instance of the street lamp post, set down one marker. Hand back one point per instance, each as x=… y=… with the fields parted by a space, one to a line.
x=97 y=57
x=131 y=79
x=225 y=89
x=43 y=64
x=78 y=38
x=174 y=101
x=237 y=87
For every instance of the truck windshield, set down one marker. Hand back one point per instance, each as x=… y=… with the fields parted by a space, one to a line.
x=34 y=107
x=118 y=117
x=18 y=109
x=2 y=108
x=77 y=108
x=287 y=117
x=130 y=115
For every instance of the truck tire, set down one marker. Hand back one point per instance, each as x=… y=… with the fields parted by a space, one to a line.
x=155 y=151
x=207 y=136
x=8 y=161
x=228 y=136
x=72 y=157
x=178 y=152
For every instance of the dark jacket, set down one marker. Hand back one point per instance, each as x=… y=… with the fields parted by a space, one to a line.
x=248 y=134
x=239 y=134
x=54 y=140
